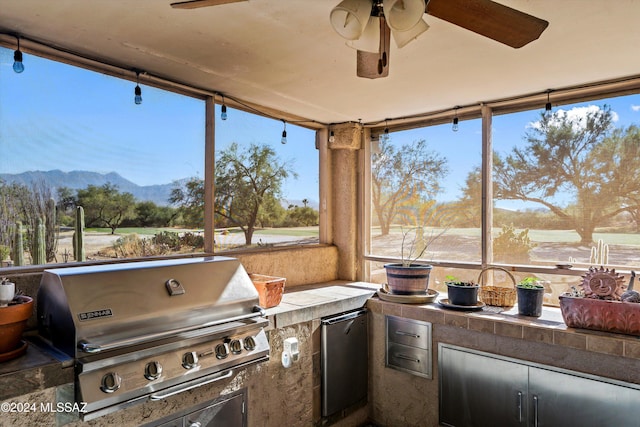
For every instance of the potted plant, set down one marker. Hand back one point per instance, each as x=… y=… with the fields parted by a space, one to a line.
x=530 y=297
x=15 y=310
x=464 y=293
x=409 y=277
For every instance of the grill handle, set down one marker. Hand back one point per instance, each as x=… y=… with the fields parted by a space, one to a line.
x=93 y=348
x=171 y=391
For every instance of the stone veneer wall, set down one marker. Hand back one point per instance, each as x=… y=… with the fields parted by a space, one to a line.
x=400 y=399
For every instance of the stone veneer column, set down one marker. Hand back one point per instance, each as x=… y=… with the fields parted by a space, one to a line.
x=344 y=169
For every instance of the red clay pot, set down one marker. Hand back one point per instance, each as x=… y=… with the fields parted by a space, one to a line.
x=13 y=320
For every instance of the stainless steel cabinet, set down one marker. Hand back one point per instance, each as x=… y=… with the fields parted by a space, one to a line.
x=226 y=411
x=408 y=346
x=480 y=389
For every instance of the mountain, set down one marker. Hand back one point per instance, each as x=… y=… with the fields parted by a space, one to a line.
x=159 y=193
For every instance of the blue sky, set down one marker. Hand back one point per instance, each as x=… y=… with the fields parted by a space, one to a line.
x=463 y=149
x=55 y=116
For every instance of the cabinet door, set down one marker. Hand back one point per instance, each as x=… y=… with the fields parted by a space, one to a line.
x=227 y=413
x=559 y=399
x=477 y=390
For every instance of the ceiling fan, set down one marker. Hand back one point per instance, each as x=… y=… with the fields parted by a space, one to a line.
x=369 y=25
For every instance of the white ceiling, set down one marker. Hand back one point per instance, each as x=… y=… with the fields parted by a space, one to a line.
x=283 y=54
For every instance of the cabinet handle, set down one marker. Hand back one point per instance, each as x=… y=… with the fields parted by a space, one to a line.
x=409 y=358
x=535 y=411
x=519 y=406
x=407 y=334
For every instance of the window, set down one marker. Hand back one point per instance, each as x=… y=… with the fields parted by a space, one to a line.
x=266 y=191
x=75 y=143
x=425 y=190
x=565 y=192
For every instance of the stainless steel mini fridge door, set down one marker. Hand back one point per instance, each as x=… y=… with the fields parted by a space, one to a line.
x=344 y=361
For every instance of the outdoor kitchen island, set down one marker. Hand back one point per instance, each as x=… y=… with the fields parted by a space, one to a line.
x=279 y=396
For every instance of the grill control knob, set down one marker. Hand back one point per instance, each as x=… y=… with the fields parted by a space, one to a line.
x=110 y=382
x=249 y=343
x=235 y=346
x=189 y=360
x=153 y=370
x=222 y=350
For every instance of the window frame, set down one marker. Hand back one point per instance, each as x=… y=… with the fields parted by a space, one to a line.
x=210 y=99
x=486 y=111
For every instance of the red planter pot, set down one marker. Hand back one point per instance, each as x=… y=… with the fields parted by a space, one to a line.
x=601 y=315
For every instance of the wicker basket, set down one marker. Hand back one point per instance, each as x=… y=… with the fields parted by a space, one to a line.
x=499 y=296
x=270 y=289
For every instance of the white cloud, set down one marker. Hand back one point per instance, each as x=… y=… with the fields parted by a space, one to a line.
x=635 y=107
x=576 y=115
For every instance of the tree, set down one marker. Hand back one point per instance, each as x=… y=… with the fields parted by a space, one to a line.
x=148 y=214
x=400 y=175
x=190 y=201
x=568 y=153
x=105 y=206
x=245 y=180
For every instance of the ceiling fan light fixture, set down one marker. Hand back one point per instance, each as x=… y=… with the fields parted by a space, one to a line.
x=350 y=18
x=403 y=15
x=402 y=38
x=369 y=41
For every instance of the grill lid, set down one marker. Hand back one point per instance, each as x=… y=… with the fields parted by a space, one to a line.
x=109 y=306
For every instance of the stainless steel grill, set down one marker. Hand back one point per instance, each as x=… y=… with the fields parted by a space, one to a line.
x=150 y=330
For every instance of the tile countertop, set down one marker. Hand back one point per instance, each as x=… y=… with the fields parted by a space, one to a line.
x=546 y=329
x=38 y=369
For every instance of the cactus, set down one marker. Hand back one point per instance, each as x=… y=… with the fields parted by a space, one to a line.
x=599 y=254
x=18 y=246
x=51 y=236
x=39 y=256
x=78 y=235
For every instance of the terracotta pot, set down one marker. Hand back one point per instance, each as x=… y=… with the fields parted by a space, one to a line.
x=408 y=280
x=13 y=320
x=601 y=315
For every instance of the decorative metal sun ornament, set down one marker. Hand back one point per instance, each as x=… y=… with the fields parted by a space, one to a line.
x=601 y=283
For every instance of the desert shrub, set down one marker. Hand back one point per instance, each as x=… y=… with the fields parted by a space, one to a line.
x=132 y=245
x=512 y=247
x=169 y=239
x=192 y=240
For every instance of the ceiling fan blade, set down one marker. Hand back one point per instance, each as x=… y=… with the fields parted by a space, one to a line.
x=373 y=65
x=490 y=19
x=195 y=4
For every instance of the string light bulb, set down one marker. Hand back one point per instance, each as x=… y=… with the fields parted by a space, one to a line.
x=18 y=66
x=547 y=106
x=455 y=126
x=283 y=140
x=332 y=137
x=223 y=110
x=137 y=91
x=385 y=134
